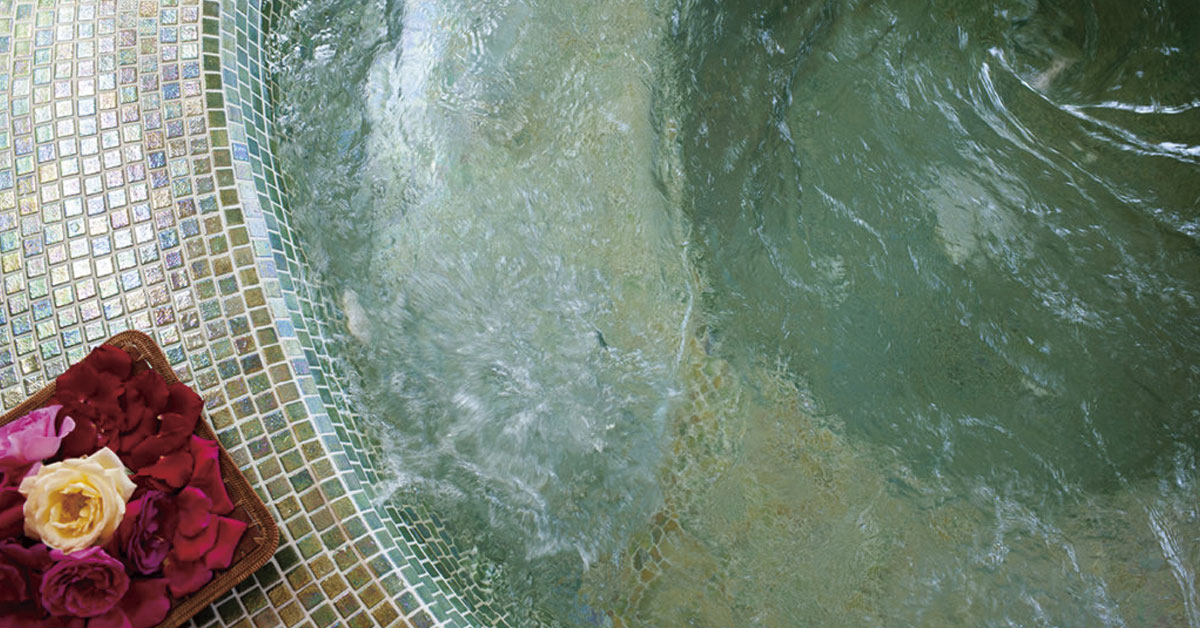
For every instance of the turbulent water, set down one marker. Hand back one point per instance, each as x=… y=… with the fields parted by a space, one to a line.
x=770 y=313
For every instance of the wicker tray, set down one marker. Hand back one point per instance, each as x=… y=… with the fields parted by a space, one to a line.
x=262 y=535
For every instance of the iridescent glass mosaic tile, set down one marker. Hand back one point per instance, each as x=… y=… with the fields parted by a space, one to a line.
x=137 y=191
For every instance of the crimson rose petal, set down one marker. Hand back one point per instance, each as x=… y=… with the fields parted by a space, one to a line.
x=90 y=393
x=112 y=619
x=183 y=400
x=12 y=515
x=13 y=582
x=228 y=535
x=206 y=474
x=81 y=440
x=194 y=511
x=26 y=616
x=195 y=547
x=170 y=472
x=144 y=398
x=90 y=398
x=146 y=604
x=185 y=577
x=174 y=431
x=110 y=359
x=20 y=572
x=12 y=502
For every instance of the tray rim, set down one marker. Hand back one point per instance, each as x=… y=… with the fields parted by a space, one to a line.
x=261 y=529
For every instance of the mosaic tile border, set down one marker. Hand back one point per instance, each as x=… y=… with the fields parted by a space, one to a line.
x=425 y=557
x=130 y=199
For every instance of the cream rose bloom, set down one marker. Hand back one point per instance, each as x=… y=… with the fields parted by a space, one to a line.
x=76 y=503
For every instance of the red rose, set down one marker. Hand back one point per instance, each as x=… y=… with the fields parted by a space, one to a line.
x=143 y=539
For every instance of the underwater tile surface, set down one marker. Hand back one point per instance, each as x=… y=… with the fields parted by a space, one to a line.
x=137 y=191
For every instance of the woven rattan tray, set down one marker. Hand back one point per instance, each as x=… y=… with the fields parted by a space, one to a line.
x=261 y=536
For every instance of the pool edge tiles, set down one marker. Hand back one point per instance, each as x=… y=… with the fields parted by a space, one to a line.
x=120 y=209
x=412 y=538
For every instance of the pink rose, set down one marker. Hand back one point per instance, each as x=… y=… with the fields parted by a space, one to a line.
x=84 y=583
x=24 y=443
x=33 y=437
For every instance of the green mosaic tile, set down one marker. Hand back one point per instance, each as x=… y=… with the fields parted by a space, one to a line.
x=299 y=527
x=230 y=610
x=385 y=615
x=178 y=247
x=298 y=578
x=324 y=616
x=292 y=614
x=344 y=508
x=267 y=575
x=283 y=441
x=322 y=519
x=361 y=620
x=311 y=596
x=309 y=546
x=312 y=500
x=266 y=619
x=347 y=605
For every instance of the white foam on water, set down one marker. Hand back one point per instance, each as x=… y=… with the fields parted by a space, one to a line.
x=536 y=291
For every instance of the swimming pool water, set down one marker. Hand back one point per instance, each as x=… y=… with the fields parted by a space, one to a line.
x=771 y=313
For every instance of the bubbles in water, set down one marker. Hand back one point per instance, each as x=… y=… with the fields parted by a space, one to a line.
x=532 y=290
x=920 y=211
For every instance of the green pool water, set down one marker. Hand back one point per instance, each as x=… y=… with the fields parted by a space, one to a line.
x=771 y=313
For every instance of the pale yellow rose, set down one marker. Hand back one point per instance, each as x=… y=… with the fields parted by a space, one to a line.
x=76 y=503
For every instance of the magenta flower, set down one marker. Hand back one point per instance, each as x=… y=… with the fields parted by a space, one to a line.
x=144 y=535
x=33 y=437
x=84 y=583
